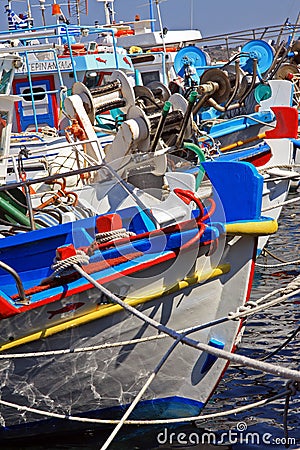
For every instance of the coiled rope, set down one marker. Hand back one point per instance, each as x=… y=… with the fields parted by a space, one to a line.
x=66 y=265
x=108 y=236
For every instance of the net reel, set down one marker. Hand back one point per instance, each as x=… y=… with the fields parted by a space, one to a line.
x=190 y=63
x=223 y=89
x=286 y=72
x=172 y=123
x=259 y=50
x=118 y=93
x=152 y=96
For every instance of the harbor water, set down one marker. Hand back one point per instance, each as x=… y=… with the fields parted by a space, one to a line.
x=258 y=428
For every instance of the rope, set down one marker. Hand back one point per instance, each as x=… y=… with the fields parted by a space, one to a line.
x=66 y=264
x=290 y=290
x=107 y=236
x=279 y=166
x=287 y=202
x=292 y=391
x=129 y=410
x=266 y=252
x=266 y=367
x=271 y=266
x=282 y=346
x=146 y=422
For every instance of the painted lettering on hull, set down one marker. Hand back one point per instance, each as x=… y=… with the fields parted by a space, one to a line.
x=46 y=66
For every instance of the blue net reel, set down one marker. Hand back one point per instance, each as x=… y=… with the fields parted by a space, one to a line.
x=190 y=61
x=260 y=50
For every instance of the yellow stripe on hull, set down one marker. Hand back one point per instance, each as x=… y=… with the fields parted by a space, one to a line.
x=106 y=310
x=259 y=228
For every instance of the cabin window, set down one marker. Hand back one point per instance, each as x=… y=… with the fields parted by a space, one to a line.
x=38 y=94
x=148 y=77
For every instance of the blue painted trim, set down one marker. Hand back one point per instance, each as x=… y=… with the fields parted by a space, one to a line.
x=238 y=124
x=211 y=359
x=241 y=155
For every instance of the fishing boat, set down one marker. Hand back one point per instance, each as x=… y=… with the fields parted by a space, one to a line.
x=52 y=58
x=76 y=317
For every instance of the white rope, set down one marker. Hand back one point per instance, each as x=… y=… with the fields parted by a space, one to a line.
x=272 y=266
x=265 y=367
x=143 y=422
x=287 y=202
x=66 y=264
x=249 y=307
x=291 y=289
x=278 y=166
x=134 y=403
x=107 y=236
x=244 y=360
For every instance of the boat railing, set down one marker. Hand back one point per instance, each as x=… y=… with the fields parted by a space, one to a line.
x=19 y=284
x=273 y=33
x=56 y=36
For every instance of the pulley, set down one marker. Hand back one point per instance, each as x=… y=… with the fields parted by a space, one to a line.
x=286 y=71
x=191 y=61
x=219 y=77
x=260 y=50
x=118 y=93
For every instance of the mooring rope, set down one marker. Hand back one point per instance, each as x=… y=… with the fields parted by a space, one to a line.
x=293 y=387
x=249 y=308
x=179 y=337
x=287 y=202
x=202 y=417
x=108 y=236
x=266 y=252
x=266 y=367
x=290 y=290
x=282 y=346
x=283 y=262
x=66 y=264
x=272 y=266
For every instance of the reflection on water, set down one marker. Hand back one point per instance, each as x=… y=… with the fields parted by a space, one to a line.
x=259 y=428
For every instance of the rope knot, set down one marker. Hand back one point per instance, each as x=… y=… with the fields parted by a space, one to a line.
x=242 y=309
x=65 y=258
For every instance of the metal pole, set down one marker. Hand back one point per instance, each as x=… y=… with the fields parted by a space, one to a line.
x=152 y=15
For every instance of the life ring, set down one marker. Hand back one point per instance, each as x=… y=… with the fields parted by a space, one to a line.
x=120 y=33
x=77 y=49
x=160 y=49
x=135 y=49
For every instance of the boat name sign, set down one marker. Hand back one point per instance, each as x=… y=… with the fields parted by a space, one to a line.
x=46 y=66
